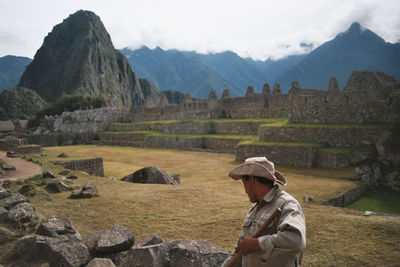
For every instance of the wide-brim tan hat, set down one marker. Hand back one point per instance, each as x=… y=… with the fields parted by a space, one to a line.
x=258 y=166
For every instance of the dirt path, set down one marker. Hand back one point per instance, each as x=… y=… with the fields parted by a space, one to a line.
x=24 y=169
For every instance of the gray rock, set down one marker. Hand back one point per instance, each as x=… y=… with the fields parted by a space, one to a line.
x=150 y=175
x=22 y=213
x=197 y=253
x=88 y=190
x=393 y=180
x=148 y=241
x=57 y=186
x=149 y=256
x=49 y=174
x=3 y=214
x=13 y=200
x=7 y=167
x=62 y=251
x=4 y=193
x=115 y=239
x=56 y=228
x=308 y=198
x=6 y=235
x=100 y=262
x=359 y=171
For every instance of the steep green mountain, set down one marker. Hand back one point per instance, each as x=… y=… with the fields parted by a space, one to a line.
x=19 y=103
x=79 y=57
x=11 y=69
x=175 y=70
x=356 y=49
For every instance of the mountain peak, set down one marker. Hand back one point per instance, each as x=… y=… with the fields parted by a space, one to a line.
x=78 y=57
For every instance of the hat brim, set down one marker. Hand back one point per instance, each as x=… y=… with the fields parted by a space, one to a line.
x=256 y=169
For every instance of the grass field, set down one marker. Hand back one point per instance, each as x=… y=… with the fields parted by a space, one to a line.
x=210 y=206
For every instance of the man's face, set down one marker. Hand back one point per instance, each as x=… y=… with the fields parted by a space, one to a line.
x=248 y=183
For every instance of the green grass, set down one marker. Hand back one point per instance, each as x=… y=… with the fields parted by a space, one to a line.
x=284 y=122
x=159 y=133
x=256 y=120
x=386 y=201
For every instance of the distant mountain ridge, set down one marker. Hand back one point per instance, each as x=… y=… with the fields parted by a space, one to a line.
x=355 y=49
x=11 y=69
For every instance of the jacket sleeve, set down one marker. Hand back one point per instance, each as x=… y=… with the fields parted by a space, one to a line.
x=291 y=235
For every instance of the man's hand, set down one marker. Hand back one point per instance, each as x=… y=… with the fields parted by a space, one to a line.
x=248 y=245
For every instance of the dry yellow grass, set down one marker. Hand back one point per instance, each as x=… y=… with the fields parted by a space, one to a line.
x=210 y=206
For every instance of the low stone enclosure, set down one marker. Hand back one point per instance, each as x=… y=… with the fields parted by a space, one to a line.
x=91 y=166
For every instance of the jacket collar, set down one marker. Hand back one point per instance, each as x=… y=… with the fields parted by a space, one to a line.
x=271 y=194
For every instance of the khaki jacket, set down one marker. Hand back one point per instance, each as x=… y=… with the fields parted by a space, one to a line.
x=284 y=240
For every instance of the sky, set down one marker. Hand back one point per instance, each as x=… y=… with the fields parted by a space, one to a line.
x=259 y=29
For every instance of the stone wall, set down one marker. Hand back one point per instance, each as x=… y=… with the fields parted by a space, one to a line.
x=333 y=136
x=222 y=145
x=59 y=139
x=201 y=127
x=85 y=121
x=340 y=107
x=91 y=166
x=12 y=144
x=335 y=160
x=28 y=149
x=301 y=156
x=348 y=197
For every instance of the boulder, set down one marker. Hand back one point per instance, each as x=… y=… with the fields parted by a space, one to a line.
x=4 y=193
x=49 y=174
x=197 y=253
x=12 y=200
x=12 y=154
x=56 y=228
x=151 y=240
x=88 y=190
x=100 y=262
x=6 y=235
x=7 y=167
x=62 y=251
x=150 y=175
x=22 y=213
x=115 y=239
x=149 y=256
x=28 y=190
x=57 y=186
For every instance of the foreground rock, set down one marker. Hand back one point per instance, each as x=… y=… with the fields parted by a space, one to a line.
x=17 y=211
x=100 y=262
x=115 y=239
x=197 y=253
x=176 y=253
x=56 y=242
x=150 y=175
x=88 y=190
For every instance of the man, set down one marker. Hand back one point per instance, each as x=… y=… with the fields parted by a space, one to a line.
x=282 y=243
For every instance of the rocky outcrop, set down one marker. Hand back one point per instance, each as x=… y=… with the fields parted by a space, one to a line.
x=79 y=57
x=150 y=175
x=87 y=190
x=112 y=240
x=17 y=211
x=197 y=253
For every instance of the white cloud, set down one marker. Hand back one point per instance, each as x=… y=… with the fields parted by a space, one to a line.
x=256 y=28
